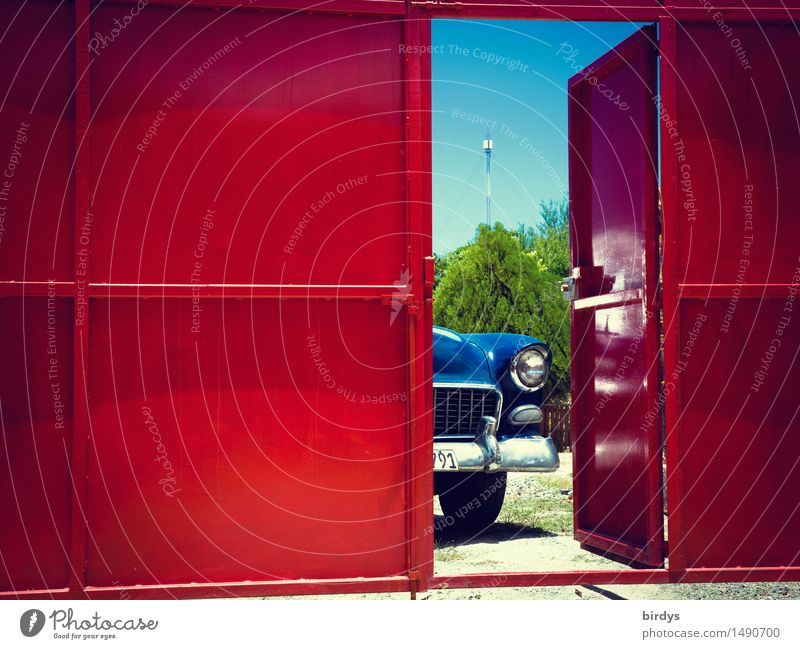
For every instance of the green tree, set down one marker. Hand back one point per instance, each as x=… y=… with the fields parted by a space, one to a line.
x=440 y=263
x=550 y=238
x=496 y=283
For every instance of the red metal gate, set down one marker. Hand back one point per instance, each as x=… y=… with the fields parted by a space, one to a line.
x=731 y=278
x=213 y=312
x=615 y=319
x=215 y=376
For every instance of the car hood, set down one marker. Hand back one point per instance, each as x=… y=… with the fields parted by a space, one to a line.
x=457 y=360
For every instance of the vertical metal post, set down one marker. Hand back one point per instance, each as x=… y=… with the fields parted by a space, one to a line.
x=419 y=474
x=80 y=352
x=671 y=322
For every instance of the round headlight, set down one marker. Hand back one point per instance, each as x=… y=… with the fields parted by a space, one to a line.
x=529 y=369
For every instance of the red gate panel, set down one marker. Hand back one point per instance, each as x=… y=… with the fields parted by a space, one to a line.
x=257 y=438
x=615 y=325
x=228 y=456
x=236 y=249
x=36 y=198
x=736 y=324
x=35 y=413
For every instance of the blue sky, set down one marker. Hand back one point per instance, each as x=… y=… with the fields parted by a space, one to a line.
x=509 y=77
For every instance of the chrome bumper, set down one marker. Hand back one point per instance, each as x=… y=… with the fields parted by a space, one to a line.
x=487 y=453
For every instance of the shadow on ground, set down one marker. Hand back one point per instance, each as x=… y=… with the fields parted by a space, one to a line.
x=495 y=533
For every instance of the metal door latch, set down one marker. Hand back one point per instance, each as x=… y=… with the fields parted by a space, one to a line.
x=568 y=289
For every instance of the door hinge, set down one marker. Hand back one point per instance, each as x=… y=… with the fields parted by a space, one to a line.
x=429 y=276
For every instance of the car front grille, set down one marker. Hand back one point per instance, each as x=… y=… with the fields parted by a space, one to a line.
x=458 y=410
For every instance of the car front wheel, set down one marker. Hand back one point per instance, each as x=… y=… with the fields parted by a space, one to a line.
x=470 y=502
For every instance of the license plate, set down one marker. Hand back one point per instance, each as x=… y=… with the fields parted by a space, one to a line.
x=445 y=460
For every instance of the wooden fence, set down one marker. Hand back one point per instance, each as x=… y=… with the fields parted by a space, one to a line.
x=557 y=422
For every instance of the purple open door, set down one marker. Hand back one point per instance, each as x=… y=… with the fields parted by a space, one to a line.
x=616 y=366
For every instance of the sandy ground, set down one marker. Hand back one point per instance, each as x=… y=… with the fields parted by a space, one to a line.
x=515 y=546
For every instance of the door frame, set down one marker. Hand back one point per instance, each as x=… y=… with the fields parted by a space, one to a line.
x=667 y=20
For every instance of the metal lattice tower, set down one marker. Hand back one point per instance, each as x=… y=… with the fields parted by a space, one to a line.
x=487 y=152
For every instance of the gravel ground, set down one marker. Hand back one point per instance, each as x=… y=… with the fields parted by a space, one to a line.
x=534 y=533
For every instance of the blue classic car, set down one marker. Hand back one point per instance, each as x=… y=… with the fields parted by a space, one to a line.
x=487 y=398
